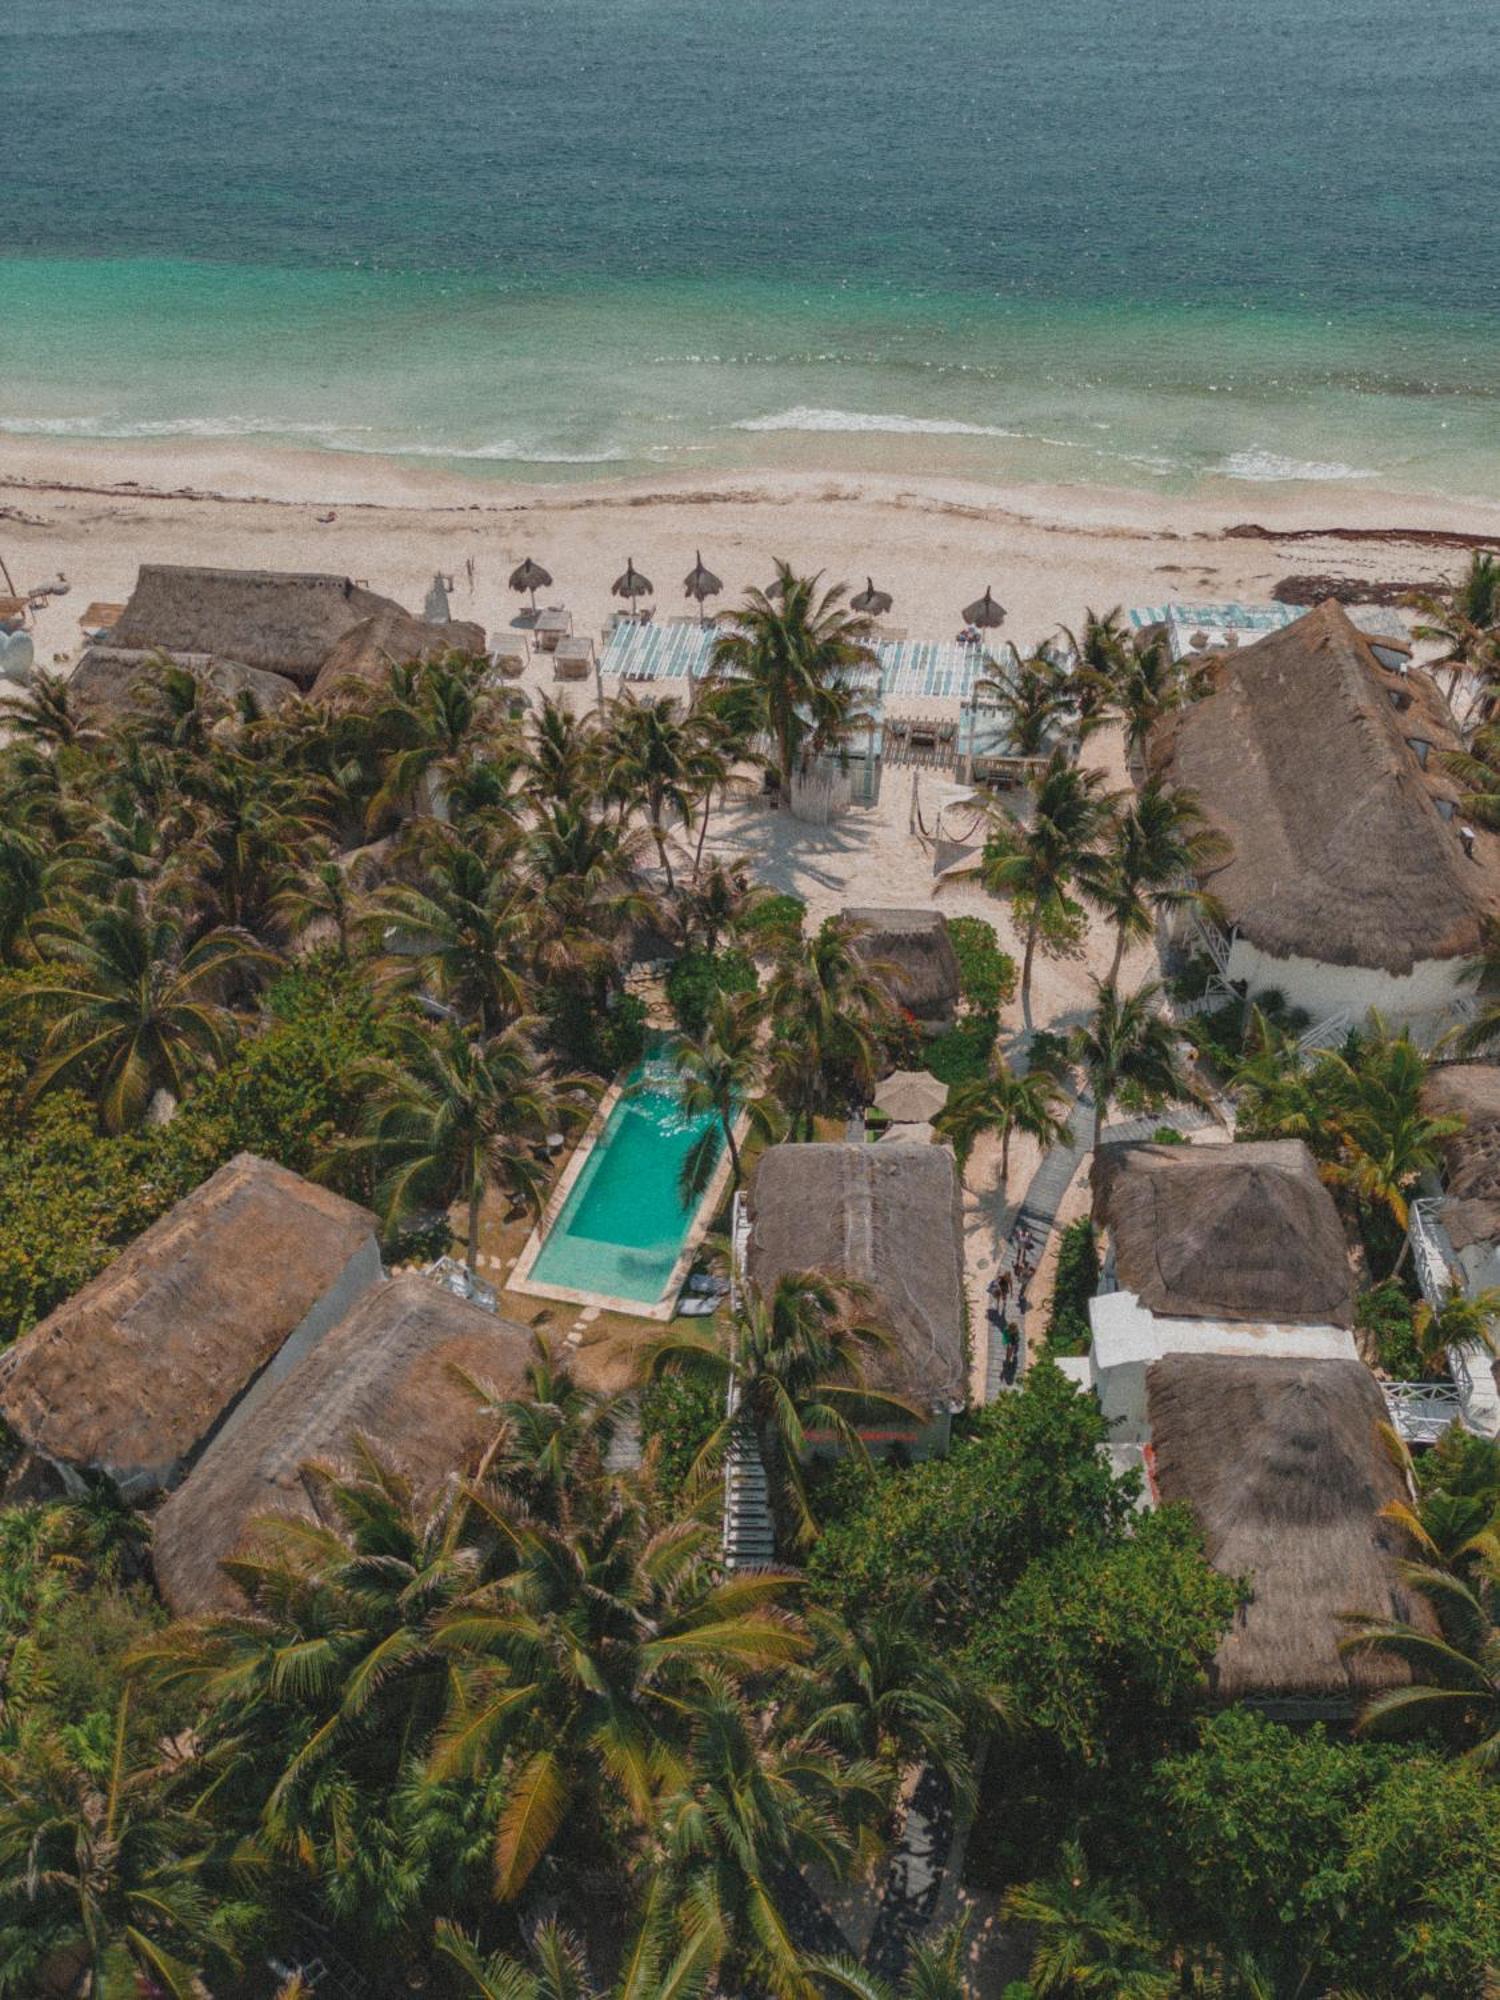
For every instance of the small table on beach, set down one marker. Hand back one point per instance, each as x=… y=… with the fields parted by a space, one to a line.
x=552 y=625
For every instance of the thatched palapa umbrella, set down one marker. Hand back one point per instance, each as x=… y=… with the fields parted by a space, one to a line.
x=871 y=603
x=701 y=583
x=985 y=612
x=530 y=576
x=632 y=584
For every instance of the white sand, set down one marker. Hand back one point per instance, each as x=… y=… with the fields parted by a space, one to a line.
x=95 y=512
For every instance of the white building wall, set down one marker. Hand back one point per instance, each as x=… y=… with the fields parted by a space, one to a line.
x=1321 y=990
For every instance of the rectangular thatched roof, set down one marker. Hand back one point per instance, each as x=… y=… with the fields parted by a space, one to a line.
x=1233 y=1232
x=1283 y=1466
x=915 y=945
x=1471 y=1158
x=390 y=1374
x=110 y=683
x=132 y=1374
x=286 y=622
x=890 y=1217
x=1302 y=756
x=392 y=637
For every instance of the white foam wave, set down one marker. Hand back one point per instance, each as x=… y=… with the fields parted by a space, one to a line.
x=165 y=427
x=1269 y=465
x=805 y=419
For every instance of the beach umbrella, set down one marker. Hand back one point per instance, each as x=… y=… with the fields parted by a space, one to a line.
x=985 y=612
x=632 y=584
x=701 y=583
x=435 y=610
x=911 y=1096
x=530 y=576
x=872 y=603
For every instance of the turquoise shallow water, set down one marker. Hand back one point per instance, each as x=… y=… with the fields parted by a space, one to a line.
x=622 y=1228
x=1018 y=239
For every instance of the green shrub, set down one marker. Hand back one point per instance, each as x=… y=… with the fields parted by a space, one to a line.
x=773 y=921
x=677 y=1419
x=698 y=975
x=1168 y=1135
x=1384 y=1313
x=986 y=974
x=962 y=1054
x=1075 y=1284
x=1048 y=1051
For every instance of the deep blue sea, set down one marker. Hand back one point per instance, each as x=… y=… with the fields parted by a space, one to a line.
x=1154 y=242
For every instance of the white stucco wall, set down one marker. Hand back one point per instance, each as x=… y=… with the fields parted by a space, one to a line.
x=1350 y=989
x=1128 y=1337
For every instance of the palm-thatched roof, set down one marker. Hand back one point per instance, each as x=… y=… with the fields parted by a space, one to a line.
x=1236 y=1232
x=1283 y=1466
x=392 y=637
x=1302 y=755
x=392 y=1374
x=888 y=1217
x=133 y=1374
x=1471 y=1158
x=915 y=945
x=110 y=683
x=285 y=622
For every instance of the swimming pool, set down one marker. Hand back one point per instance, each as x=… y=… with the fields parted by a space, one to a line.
x=623 y=1228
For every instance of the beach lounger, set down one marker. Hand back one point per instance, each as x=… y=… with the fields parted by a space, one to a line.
x=691 y=1307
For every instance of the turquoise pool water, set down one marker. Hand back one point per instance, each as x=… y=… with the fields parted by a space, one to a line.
x=623 y=1226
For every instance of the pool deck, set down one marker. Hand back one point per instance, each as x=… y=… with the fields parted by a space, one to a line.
x=666 y=1308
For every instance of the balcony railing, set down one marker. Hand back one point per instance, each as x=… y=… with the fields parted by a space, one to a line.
x=1422 y=1411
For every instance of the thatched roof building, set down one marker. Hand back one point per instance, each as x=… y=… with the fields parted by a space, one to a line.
x=392 y=637
x=923 y=966
x=1233 y=1232
x=1282 y=1464
x=1322 y=768
x=392 y=1374
x=133 y=1374
x=1471 y=1158
x=890 y=1218
x=284 y=622
x=110 y=683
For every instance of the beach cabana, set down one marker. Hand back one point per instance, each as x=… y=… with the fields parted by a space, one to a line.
x=916 y=959
x=1282 y=1464
x=135 y=1373
x=283 y=622
x=363 y=658
x=390 y=1376
x=1350 y=880
x=889 y=1218
x=1213 y=1249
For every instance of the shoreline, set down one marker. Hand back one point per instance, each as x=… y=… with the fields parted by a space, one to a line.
x=94 y=512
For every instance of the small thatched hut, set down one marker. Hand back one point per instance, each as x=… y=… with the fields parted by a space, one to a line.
x=888 y=1217
x=392 y=637
x=134 y=1374
x=1349 y=882
x=1282 y=1464
x=923 y=966
x=395 y=1373
x=283 y=622
x=109 y=684
x=1234 y=1232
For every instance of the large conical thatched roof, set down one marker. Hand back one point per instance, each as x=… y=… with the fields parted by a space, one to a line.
x=890 y=1218
x=917 y=952
x=1471 y=1158
x=391 y=637
x=389 y=1374
x=1283 y=1467
x=1236 y=1232
x=285 y=622
x=132 y=1375
x=1302 y=757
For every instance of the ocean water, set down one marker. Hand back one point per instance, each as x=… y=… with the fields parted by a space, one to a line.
x=1154 y=244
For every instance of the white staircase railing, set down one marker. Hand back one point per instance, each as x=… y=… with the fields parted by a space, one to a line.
x=1216 y=942
x=1428 y=1260
x=1422 y=1411
x=1324 y=1034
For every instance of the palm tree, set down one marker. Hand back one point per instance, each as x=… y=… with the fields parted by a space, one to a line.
x=1454 y=1684
x=464 y=931
x=1056 y=851
x=1033 y=699
x=1150 y=686
x=1463 y=1320
x=1162 y=844
x=46 y=715
x=1386 y=1141
x=247 y=828
x=431 y=715
x=937 y=1971
x=1129 y=1042
x=717 y=904
x=650 y=755
x=559 y=1966
x=721 y=1075
x=1463 y=619
x=1100 y=653
x=828 y=1006
x=560 y=755
x=454 y=1116
x=1089 y=1938
x=1483 y=973
x=792 y=1362
x=797 y=648
x=133 y=1007
x=1007 y=1103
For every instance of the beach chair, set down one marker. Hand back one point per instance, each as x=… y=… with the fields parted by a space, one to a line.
x=509 y=656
